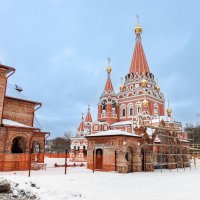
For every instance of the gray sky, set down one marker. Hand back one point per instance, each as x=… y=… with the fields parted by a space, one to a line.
x=59 y=49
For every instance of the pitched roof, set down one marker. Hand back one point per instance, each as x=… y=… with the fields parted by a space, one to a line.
x=109 y=86
x=88 y=116
x=139 y=62
x=15 y=92
x=82 y=125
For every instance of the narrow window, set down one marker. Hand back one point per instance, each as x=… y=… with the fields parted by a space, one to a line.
x=131 y=112
x=123 y=112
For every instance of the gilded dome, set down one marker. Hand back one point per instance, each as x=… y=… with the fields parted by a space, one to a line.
x=109 y=69
x=143 y=83
x=138 y=29
x=169 y=112
x=145 y=103
x=122 y=88
x=157 y=88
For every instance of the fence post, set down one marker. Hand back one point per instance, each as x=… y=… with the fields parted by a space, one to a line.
x=65 y=161
x=93 y=161
x=115 y=160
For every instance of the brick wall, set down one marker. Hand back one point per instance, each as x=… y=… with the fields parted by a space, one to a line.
x=19 y=111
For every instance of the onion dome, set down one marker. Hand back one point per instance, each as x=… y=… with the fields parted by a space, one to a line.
x=138 y=27
x=157 y=87
x=109 y=69
x=169 y=110
x=145 y=102
x=143 y=83
x=121 y=88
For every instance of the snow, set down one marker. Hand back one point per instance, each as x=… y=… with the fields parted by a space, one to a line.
x=113 y=132
x=12 y=92
x=81 y=183
x=8 y=122
x=122 y=123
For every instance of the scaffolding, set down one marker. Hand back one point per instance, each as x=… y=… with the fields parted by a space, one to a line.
x=195 y=150
x=167 y=153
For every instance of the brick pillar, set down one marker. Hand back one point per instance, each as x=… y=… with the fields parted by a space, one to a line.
x=40 y=157
x=3 y=81
x=99 y=111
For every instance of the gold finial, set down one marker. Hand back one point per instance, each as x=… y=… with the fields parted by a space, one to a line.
x=122 y=87
x=157 y=87
x=138 y=19
x=145 y=102
x=122 y=80
x=169 y=110
x=109 y=69
x=138 y=27
x=109 y=61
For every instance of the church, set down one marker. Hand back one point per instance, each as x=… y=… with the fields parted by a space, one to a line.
x=133 y=131
x=20 y=131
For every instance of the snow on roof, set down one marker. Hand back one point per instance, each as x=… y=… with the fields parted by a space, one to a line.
x=9 y=122
x=112 y=133
x=122 y=123
x=11 y=91
x=150 y=131
x=184 y=140
x=36 y=123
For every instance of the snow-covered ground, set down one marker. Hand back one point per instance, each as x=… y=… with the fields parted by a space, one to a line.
x=81 y=183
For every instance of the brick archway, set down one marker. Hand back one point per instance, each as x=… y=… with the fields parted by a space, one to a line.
x=19 y=145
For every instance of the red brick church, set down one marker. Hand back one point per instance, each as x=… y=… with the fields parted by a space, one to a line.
x=128 y=120
x=20 y=132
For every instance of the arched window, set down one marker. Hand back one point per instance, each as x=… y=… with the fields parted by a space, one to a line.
x=131 y=111
x=123 y=112
x=113 y=106
x=104 y=106
x=155 y=109
x=139 y=110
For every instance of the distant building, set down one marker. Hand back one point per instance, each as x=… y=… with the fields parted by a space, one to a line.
x=132 y=124
x=20 y=132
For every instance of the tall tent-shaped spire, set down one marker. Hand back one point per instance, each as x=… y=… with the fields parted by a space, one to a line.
x=109 y=86
x=139 y=62
x=82 y=125
x=88 y=118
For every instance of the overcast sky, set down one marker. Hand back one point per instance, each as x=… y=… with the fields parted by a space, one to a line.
x=59 y=49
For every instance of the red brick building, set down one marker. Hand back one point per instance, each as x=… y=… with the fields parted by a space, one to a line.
x=19 y=133
x=132 y=123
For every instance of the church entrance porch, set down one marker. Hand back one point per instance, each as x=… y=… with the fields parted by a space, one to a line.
x=118 y=152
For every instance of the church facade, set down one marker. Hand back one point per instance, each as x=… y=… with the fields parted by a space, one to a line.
x=132 y=123
x=20 y=134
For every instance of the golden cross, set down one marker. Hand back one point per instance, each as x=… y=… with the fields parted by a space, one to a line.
x=109 y=61
x=122 y=80
x=138 y=19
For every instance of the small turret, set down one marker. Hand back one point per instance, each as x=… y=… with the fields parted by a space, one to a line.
x=88 y=118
